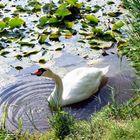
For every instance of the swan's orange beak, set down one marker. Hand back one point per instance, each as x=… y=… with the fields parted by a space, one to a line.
x=38 y=73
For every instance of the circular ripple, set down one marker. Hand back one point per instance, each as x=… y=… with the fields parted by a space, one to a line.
x=27 y=99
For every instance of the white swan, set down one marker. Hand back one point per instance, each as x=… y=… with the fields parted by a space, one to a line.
x=76 y=86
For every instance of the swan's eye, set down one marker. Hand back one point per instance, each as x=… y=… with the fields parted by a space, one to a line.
x=42 y=70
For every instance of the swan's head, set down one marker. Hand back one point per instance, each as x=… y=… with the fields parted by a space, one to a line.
x=46 y=72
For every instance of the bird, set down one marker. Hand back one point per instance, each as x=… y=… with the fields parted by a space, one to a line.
x=76 y=86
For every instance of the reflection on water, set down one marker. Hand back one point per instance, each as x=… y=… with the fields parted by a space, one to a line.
x=27 y=97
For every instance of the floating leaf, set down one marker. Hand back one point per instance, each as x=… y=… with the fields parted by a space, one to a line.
x=93 y=42
x=98 y=44
x=121 y=40
x=42 y=61
x=96 y=8
x=18 y=68
x=106 y=45
x=88 y=8
x=69 y=24
x=92 y=18
x=98 y=31
x=84 y=25
x=37 y=7
x=22 y=9
x=117 y=25
x=33 y=3
x=54 y=36
x=4 y=53
x=59 y=49
x=18 y=56
x=121 y=45
x=62 y=11
x=6 y=19
x=72 y=2
x=110 y=32
x=68 y=35
x=42 y=38
x=81 y=41
x=114 y=14
x=53 y=20
x=27 y=54
x=26 y=43
x=2 y=5
x=110 y=2
x=43 y=20
x=2 y=24
x=15 y=22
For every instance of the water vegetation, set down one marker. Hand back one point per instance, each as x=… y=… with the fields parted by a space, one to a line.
x=49 y=22
x=132 y=50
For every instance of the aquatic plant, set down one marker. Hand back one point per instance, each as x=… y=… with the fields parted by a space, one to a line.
x=132 y=50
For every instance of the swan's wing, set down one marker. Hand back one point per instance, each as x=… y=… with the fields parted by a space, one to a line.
x=80 y=84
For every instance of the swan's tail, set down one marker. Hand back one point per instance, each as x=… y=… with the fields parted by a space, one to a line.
x=105 y=70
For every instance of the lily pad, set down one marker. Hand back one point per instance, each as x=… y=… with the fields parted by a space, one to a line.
x=110 y=2
x=16 y=22
x=19 y=56
x=27 y=54
x=121 y=42
x=69 y=24
x=6 y=19
x=4 y=53
x=114 y=14
x=43 y=20
x=68 y=35
x=72 y=2
x=93 y=42
x=97 y=31
x=42 y=38
x=62 y=11
x=110 y=32
x=2 y=5
x=81 y=41
x=88 y=8
x=18 y=68
x=92 y=19
x=54 y=36
x=121 y=45
x=96 y=8
x=26 y=43
x=117 y=25
x=2 y=24
x=106 y=45
x=37 y=7
x=53 y=20
x=42 y=61
x=98 y=44
x=22 y=9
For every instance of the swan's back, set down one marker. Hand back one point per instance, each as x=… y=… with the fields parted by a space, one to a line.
x=81 y=83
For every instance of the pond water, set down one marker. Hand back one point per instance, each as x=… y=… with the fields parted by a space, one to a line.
x=25 y=96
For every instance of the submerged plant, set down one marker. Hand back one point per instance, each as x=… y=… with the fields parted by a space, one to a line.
x=132 y=50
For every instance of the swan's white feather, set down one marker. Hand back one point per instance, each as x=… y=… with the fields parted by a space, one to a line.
x=81 y=83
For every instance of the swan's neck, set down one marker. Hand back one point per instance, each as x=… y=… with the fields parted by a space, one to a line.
x=56 y=95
